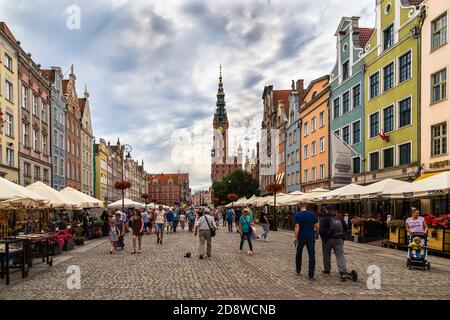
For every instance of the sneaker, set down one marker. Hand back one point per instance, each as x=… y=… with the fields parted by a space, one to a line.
x=157 y=241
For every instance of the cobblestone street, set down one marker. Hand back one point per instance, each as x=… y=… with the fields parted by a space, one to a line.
x=162 y=272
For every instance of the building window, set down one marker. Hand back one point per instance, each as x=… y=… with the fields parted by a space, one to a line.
x=24 y=97
x=322 y=119
x=388 y=158
x=346 y=134
x=388 y=37
x=439 y=139
x=356 y=165
x=44 y=144
x=26 y=134
x=9 y=91
x=322 y=171
x=357 y=96
x=55 y=165
x=388 y=73
x=374 y=122
x=9 y=157
x=439 y=31
x=346 y=70
x=313 y=124
x=405 y=67
x=313 y=148
x=46 y=175
x=27 y=170
x=404 y=153
x=346 y=102
x=313 y=174
x=35 y=140
x=37 y=173
x=356 y=132
x=35 y=105
x=405 y=113
x=322 y=144
x=336 y=108
x=305 y=151
x=8 y=62
x=305 y=175
x=9 y=125
x=388 y=119
x=44 y=112
x=439 y=85
x=374 y=85
x=61 y=167
x=305 y=129
x=374 y=158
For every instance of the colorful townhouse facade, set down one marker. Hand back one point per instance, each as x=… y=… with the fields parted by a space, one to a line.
x=269 y=149
x=58 y=127
x=87 y=140
x=314 y=136
x=347 y=97
x=293 y=137
x=435 y=103
x=169 y=189
x=34 y=95
x=392 y=146
x=73 y=132
x=9 y=105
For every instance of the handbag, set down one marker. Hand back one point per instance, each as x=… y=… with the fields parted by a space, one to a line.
x=213 y=230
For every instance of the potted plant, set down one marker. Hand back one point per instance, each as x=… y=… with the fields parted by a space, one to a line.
x=439 y=232
x=79 y=237
x=397 y=231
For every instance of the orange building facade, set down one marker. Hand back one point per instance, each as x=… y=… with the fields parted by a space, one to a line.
x=314 y=136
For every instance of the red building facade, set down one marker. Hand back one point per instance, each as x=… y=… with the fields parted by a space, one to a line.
x=169 y=189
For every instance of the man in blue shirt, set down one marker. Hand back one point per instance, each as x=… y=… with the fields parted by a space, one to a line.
x=169 y=219
x=230 y=217
x=306 y=233
x=176 y=218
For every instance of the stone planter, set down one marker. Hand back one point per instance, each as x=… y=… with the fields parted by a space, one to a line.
x=69 y=245
x=439 y=239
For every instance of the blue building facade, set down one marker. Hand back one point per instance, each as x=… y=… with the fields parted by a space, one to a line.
x=58 y=120
x=292 y=139
x=347 y=91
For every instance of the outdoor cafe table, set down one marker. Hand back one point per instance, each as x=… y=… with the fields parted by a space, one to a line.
x=8 y=249
x=37 y=247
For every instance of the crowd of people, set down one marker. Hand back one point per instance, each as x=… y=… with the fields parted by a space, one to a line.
x=330 y=227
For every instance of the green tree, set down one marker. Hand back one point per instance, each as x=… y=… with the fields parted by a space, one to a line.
x=239 y=182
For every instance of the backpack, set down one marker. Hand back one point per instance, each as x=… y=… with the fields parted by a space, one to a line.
x=335 y=227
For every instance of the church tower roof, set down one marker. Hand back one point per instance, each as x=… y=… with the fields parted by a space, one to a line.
x=220 y=116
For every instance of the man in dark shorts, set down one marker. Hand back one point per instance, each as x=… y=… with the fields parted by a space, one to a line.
x=306 y=234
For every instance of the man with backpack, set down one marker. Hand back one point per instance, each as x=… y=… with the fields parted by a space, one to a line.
x=332 y=231
x=306 y=234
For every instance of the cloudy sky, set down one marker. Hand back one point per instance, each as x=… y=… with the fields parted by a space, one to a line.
x=151 y=67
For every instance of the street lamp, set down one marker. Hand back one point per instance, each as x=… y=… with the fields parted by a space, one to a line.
x=125 y=150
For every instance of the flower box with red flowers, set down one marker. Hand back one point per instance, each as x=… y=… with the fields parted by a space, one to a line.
x=438 y=232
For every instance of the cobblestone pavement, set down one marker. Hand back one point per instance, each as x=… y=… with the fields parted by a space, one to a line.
x=162 y=272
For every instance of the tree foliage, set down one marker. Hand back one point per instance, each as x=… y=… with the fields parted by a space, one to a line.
x=239 y=182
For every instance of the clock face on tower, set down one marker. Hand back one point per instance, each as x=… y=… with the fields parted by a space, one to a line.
x=221 y=129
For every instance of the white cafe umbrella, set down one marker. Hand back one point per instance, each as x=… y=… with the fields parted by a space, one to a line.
x=438 y=184
x=281 y=199
x=12 y=194
x=383 y=188
x=342 y=193
x=85 y=200
x=56 y=199
x=128 y=203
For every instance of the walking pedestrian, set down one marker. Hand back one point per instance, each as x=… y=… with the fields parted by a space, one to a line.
x=138 y=230
x=416 y=223
x=176 y=218
x=182 y=220
x=113 y=234
x=224 y=218
x=230 y=219
x=145 y=218
x=306 y=234
x=216 y=217
x=151 y=220
x=105 y=218
x=169 y=221
x=264 y=222
x=332 y=230
x=237 y=218
x=160 y=221
x=245 y=231
x=205 y=224
x=120 y=225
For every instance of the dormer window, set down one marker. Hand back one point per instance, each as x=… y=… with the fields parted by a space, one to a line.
x=345 y=70
x=388 y=37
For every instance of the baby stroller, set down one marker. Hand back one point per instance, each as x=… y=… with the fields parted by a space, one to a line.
x=419 y=260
